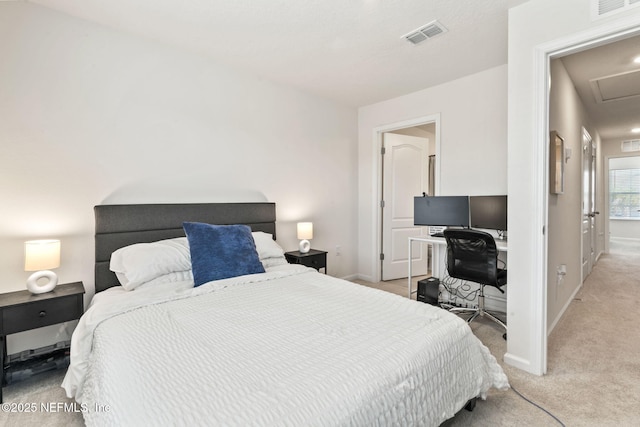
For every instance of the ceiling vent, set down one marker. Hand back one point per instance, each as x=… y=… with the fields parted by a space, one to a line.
x=631 y=145
x=425 y=32
x=601 y=8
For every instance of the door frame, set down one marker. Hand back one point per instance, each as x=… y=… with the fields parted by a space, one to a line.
x=543 y=54
x=592 y=189
x=377 y=178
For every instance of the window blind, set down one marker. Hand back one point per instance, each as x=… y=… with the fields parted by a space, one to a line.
x=624 y=193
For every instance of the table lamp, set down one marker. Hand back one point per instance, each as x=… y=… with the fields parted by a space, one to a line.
x=305 y=232
x=41 y=256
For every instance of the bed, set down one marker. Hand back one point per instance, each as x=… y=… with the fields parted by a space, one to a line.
x=163 y=343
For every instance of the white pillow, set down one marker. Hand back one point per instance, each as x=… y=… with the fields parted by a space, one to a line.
x=272 y=262
x=269 y=252
x=139 y=263
x=174 y=277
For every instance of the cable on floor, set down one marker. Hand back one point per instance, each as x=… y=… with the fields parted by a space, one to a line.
x=538 y=406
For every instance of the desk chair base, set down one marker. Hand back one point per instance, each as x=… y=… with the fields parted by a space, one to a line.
x=480 y=311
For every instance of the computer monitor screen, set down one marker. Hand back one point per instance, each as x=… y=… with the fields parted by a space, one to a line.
x=489 y=212
x=441 y=211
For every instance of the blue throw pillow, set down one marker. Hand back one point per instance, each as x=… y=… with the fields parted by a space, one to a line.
x=221 y=251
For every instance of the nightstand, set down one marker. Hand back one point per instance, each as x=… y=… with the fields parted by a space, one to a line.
x=22 y=311
x=314 y=258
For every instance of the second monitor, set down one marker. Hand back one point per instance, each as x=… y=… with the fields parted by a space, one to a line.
x=489 y=212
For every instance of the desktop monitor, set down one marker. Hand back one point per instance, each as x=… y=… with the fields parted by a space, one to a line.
x=441 y=211
x=488 y=212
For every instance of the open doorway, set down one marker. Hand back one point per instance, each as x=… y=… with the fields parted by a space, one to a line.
x=592 y=105
x=405 y=174
x=592 y=89
x=408 y=164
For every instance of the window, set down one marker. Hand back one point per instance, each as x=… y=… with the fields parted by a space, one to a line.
x=624 y=193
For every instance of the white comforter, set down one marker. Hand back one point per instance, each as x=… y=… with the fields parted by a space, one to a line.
x=287 y=347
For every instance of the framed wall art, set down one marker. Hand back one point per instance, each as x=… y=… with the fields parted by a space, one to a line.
x=556 y=163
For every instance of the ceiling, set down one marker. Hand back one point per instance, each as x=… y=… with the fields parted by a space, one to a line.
x=353 y=52
x=349 y=51
x=608 y=83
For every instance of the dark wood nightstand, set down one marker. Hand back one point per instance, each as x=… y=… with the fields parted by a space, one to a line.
x=22 y=311
x=314 y=258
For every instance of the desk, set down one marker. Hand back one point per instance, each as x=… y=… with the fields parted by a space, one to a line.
x=501 y=245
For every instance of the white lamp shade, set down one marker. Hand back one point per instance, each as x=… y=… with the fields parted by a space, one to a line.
x=305 y=230
x=41 y=255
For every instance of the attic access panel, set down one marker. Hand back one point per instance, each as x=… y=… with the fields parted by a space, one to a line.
x=616 y=87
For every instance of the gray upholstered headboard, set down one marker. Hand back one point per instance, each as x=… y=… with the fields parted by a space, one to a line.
x=122 y=225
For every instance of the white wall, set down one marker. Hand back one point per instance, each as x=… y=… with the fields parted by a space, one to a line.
x=91 y=115
x=473 y=158
x=534 y=26
x=567 y=116
x=624 y=228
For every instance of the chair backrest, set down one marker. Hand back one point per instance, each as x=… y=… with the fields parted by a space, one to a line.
x=472 y=255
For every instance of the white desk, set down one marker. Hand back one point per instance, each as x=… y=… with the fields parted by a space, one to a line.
x=501 y=245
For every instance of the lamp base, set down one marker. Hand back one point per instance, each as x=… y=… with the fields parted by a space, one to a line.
x=35 y=288
x=304 y=246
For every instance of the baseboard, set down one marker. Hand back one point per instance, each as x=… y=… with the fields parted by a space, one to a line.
x=632 y=239
x=358 y=276
x=599 y=255
x=564 y=308
x=352 y=277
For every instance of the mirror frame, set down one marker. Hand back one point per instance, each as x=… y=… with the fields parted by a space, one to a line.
x=556 y=163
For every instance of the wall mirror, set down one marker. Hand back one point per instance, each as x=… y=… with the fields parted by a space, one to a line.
x=556 y=164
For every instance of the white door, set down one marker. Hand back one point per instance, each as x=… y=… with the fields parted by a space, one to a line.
x=405 y=175
x=588 y=203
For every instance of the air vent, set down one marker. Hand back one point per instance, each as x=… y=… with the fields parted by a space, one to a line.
x=600 y=8
x=606 y=6
x=631 y=145
x=425 y=32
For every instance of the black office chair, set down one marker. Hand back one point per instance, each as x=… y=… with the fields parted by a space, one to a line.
x=472 y=256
